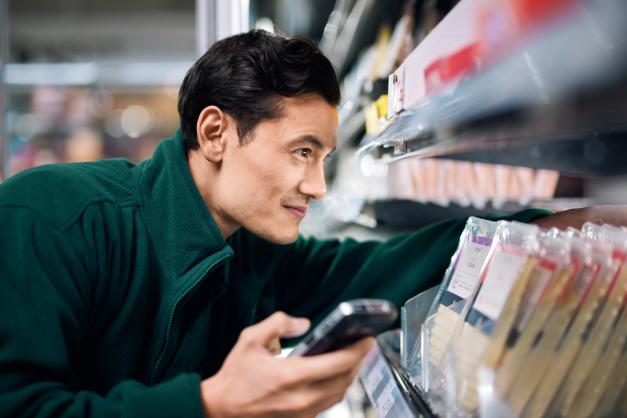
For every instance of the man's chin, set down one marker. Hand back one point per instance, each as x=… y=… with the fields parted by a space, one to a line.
x=281 y=238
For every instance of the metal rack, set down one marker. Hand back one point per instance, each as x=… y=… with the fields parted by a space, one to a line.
x=556 y=101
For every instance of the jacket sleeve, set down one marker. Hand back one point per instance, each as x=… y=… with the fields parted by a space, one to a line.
x=44 y=299
x=315 y=275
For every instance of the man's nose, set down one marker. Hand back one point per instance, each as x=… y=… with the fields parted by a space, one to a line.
x=314 y=184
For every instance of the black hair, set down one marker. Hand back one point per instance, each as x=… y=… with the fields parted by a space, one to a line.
x=247 y=75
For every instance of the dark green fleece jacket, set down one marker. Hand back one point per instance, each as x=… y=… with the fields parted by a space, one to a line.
x=118 y=293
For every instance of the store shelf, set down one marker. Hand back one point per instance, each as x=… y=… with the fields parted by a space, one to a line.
x=389 y=390
x=407 y=215
x=557 y=101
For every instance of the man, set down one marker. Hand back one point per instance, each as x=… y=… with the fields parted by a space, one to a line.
x=132 y=290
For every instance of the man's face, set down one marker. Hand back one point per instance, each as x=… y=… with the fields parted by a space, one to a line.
x=267 y=184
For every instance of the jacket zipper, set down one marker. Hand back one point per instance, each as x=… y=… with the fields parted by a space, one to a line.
x=168 y=330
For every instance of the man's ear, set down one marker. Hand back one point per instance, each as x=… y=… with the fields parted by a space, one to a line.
x=211 y=130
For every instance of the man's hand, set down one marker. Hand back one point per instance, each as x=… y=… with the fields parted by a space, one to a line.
x=613 y=215
x=253 y=383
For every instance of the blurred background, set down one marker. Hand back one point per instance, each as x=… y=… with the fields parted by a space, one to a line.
x=93 y=79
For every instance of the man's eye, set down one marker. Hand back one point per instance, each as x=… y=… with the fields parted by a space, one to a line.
x=304 y=152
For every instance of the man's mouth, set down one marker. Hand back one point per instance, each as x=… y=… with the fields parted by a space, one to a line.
x=298 y=211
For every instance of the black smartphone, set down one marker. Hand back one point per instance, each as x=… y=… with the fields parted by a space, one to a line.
x=348 y=322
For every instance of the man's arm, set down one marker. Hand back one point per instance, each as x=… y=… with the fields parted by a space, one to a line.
x=611 y=214
x=314 y=276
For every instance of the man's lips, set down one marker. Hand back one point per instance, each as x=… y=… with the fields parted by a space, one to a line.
x=299 y=211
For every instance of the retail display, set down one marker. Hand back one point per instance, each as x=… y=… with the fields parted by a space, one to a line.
x=498 y=101
x=460 y=281
x=542 y=332
x=385 y=394
x=554 y=271
x=482 y=333
x=485 y=31
x=443 y=182
x=561 y=338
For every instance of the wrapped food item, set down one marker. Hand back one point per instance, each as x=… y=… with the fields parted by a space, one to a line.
x=602 y=388
x=555 y=270
x=459 y=282
x=599 y=341
x=508 y=268
x=561 y=339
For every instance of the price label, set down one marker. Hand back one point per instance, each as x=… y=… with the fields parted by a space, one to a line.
x=468 y=269
x=502 y=272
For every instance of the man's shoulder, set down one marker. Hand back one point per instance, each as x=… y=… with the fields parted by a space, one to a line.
x=60 y=191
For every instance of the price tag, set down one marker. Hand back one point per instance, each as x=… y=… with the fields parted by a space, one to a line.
x=502 y=272
x=468 y=269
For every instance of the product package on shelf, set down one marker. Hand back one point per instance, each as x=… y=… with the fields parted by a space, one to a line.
x=556 y=268
x=616 y=378
x=527 y=323
x=556 y=347
x=530 y=303
x=602 y=338
x=460 y=280
x=598 y=395
x=481 y=336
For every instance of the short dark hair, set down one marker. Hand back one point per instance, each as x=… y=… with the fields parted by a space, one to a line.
x=247 y=75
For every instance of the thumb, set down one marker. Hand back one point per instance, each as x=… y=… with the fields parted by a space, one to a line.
x=277 y=325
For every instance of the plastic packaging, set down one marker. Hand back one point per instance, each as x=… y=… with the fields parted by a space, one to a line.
x=553 y=271
x=481 y=337
x=553 y=354
x=599 y=341
x=541 y=331
x=460 y=281
x=616 y=382
x=413 y=314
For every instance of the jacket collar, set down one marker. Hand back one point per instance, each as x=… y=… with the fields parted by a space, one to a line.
x=185 y=235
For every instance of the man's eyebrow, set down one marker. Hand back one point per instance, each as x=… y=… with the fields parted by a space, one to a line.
x=307 y=139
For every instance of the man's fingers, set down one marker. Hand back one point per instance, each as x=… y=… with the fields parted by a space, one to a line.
x=277 y=325
x=326 y=393
x=327 y=366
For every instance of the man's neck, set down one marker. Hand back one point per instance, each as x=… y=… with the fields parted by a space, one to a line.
x=204 y=175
